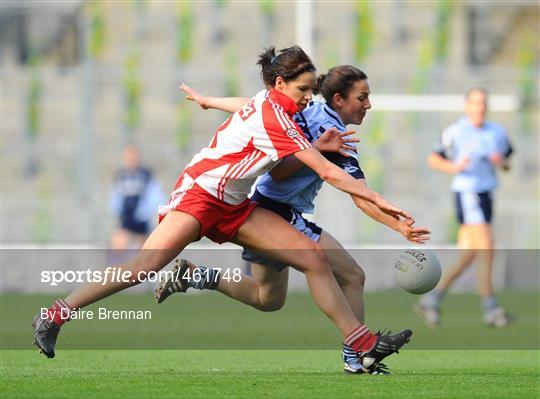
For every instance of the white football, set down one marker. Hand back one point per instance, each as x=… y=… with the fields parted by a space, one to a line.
x=417 y=270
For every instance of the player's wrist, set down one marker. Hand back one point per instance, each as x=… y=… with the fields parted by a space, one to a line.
x=399 y=227
x=206 y=102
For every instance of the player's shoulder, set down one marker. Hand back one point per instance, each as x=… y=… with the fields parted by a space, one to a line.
x=452 y=131
x=260 y=95
x=495 y=128
x=266 y=102
x=314 y=106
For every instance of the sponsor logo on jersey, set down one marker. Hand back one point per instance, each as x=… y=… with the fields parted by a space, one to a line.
x=350 y=168
x=293 y=133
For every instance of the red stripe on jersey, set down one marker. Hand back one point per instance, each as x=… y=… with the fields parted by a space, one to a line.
x=239 y=170
x=204 y=165
x=232 y=170
x=278 y=132
x=248 y=165
x=223 y=126
x=299 y=137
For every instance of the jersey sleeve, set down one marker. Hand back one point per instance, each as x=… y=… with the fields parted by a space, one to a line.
x=504 y=145
x=349 y=165
x=284 y=136
x=445 y=146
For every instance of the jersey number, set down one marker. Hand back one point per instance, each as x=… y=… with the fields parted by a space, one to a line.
x=247 y=110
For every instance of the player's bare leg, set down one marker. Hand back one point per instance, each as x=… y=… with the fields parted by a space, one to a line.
x=170 y=237
x=483 y=242
x=348 y=273
x=269 y=288
x=351 y=279
x=494 y=313
x=120 y=239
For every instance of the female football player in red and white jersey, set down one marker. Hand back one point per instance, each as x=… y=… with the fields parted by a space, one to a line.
x=210 y=199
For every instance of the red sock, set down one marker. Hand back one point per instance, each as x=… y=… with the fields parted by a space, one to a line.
x=361 y=339
x=59 y=312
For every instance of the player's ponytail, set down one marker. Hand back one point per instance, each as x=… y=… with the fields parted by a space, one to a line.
x=289 y=64
x=320 y=81
x=265 y=58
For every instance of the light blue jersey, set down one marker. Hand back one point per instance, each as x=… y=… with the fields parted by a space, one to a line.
x=463 y=140
x=300 y=189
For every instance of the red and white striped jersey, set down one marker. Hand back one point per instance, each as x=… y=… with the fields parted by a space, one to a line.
x=248 y=144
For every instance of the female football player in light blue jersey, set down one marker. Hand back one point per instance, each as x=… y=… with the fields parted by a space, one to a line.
x=290 y=190
x=472 y=149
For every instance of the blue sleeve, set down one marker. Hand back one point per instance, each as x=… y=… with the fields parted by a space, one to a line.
x=509 y=149
x=505 y=146
x=445 y=146
x=349 y=165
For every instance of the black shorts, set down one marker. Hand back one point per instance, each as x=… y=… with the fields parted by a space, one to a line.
x=291 y=215
x=134 y=227
x=474 y=208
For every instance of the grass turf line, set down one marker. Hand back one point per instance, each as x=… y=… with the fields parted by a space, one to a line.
x=259 y=374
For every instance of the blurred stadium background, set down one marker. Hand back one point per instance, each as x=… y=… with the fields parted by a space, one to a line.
x=80 y=79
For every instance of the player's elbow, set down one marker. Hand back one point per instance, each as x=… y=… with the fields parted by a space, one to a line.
x=360 y=203
x=327 y=173
x=432 y=160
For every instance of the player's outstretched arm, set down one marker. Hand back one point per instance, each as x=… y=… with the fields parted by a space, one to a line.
x=345 y=182
x=227 y=104
x=438 y=162
x=405 y=227
x=332 y=140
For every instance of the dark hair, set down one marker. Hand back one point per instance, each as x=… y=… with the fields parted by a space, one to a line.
x=340 y=80
x=289 y=64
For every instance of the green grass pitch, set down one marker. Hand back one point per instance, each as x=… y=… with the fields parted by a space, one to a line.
x=266 y=374
x=204 y=346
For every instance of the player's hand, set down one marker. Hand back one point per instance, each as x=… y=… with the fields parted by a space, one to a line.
x=417 y=235
x=392 y=210
x=194 y=95
x=496 y=159
x=463 y=164
x=333 y=140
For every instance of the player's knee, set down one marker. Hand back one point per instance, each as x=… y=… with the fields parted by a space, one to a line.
x=318 y=259
x=355 y=277
x=310 y=258
x=272 y=305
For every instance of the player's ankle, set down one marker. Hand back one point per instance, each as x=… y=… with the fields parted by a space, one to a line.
x=59 y=312
x=361 y=339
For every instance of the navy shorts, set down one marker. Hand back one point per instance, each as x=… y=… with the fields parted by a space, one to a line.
x=135 y=227
x=291 y=215
x=474 y=208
